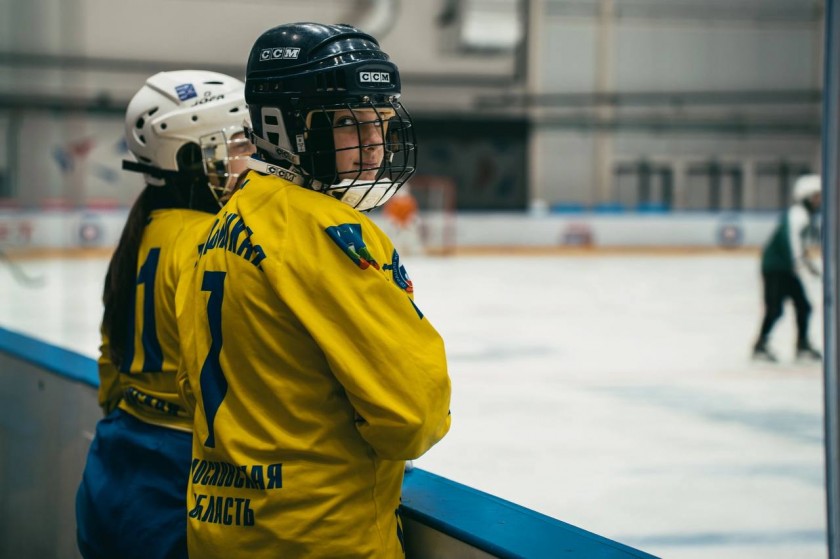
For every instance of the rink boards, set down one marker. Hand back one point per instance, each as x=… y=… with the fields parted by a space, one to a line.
x=48 y=412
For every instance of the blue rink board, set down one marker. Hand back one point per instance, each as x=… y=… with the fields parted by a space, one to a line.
x=495 y=526
x=499 y=527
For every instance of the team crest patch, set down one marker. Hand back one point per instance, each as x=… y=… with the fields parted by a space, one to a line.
x=398 y=272
x=348 y=237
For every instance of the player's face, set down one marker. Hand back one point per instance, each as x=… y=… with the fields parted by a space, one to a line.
x=359 y=144
x=239 y=150
x=225 y=161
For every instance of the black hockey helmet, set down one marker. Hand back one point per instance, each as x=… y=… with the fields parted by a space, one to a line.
x=299 y=77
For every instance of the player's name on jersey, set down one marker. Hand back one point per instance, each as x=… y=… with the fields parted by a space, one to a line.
x=230 y=233
x=223 y=474
x=230 y=510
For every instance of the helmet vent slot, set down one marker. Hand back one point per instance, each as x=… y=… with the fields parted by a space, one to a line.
x=153 y=111
x=330 y=81
x=140 y=122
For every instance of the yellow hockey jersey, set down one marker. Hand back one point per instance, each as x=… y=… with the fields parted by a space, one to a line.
x=314 y=377
x=146 y=385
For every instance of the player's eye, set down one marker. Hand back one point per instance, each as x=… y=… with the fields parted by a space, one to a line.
x=343 y=121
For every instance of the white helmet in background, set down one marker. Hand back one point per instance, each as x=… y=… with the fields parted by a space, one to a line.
x=188 y=122
x=806 y=186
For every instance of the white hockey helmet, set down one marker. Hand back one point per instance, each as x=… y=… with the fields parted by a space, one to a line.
x=806 y=186
x=196 y=108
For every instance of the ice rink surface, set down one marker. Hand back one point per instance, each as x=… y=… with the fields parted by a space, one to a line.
x=613 y=392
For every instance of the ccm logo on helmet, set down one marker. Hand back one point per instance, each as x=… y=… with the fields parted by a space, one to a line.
x=281 y=172
x=280 y=53
x=374 y=77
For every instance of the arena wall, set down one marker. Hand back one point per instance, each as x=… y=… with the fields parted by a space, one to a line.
x=25 y=231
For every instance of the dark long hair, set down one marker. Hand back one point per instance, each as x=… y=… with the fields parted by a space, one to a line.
x=189 y=190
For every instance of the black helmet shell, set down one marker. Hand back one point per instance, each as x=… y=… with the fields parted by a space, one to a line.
x=323 y=63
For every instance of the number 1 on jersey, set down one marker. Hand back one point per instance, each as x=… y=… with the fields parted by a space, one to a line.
x=152 y=354
x=212 y=379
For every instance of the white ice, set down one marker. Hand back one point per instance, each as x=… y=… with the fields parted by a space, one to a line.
x=614 y=393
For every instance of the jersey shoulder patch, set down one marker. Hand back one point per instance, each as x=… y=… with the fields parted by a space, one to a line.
x=349 y=238
x=399 y=273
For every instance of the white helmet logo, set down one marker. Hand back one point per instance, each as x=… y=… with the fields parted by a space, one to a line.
x=280 y=53
x=374 y=77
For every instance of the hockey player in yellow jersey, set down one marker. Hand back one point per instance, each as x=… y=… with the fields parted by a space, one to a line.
x=185 y=129
x=314 y=374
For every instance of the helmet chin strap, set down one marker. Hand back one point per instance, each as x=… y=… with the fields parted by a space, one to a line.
x=154 y=175
x=361 y=195
x=279 y=152
x=265 y=168
x=151 y=170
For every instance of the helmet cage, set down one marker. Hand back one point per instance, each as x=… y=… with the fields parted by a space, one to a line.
x=313 y=135
x=218 y=151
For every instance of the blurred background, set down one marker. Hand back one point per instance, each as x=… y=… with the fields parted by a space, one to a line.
x=608 y=105
x=596 y=178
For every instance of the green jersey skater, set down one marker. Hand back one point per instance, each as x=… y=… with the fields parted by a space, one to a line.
x=783 y=262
